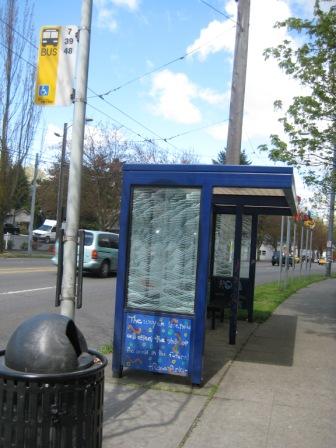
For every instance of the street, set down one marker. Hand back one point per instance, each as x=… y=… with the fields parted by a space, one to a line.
x=27 y=288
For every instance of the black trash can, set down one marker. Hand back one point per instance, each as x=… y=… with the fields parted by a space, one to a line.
x=51 y=387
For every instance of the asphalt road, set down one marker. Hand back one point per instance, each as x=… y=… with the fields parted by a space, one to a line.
x=27 y=288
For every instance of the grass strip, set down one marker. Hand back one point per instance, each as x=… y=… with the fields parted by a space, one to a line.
x=20 y=254
x=269 y=296
x=106 y=349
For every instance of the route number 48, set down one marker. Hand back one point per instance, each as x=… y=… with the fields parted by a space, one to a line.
x=68 y=50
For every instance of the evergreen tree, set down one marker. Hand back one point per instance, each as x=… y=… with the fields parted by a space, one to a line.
x=221 y=158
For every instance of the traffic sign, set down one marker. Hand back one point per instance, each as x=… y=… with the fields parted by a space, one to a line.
x=56 y=65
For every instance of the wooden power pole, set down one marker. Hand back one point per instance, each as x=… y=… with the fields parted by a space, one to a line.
x=238 y=84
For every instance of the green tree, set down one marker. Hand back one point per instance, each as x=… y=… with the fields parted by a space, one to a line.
x=309 y=122
x=319 y=236
x=21 y=196
x=221 y=158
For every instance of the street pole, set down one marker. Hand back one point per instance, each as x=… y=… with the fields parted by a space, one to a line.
x=238 y=84
x=306 y=259
x=288 y=238
x=281 y=249
x=59 y=213
x=329 y=252
x=311 y=248
x=32 y=207
x=294 y=245
x=75 y=174
x=301 y=246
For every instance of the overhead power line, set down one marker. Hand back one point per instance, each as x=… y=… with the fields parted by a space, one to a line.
x=116 y=121
x=18 y=32
x=133 y=119
x=157 y=69
x=195 y=130
x=143 y=139
x=18 y=55
x=218 y=11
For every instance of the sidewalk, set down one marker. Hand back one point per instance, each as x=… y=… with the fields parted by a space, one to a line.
x=275 y=389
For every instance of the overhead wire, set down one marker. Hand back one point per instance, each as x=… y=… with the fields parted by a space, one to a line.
x=18 y=32
x=157 y=69
x=18 y=55
x=195 y=130
x=144 y=139
x=133 y=119
x=116 y=121
x=219 y=12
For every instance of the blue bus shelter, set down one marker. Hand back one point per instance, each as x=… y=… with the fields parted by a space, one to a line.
x=187 y=246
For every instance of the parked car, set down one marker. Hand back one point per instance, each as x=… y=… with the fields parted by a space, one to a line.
x=47 y=232
x=11 y=228
x=276 y=259
x=322 y=260
x=100 y=252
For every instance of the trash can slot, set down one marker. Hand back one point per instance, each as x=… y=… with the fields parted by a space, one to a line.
x=72 y=334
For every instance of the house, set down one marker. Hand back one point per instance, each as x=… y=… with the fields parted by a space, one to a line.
x=265 y=252
x=20 y=217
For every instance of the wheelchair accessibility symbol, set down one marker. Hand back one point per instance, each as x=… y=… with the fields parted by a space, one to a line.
x=43 y=90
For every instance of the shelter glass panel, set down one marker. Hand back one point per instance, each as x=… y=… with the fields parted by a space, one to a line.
x=246 y=247
x=163 y=249
x=224 y=245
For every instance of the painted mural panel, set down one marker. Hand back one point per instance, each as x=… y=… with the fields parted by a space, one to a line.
x=157 y=343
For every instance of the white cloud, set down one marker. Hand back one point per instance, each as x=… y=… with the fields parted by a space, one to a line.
x=307 y=6
x=174 y=96
x=173 y=93
x=106 y=19
x=212 y=97
x=219 y=131
x=217 y=36
x=131 y=4
x=107 y=11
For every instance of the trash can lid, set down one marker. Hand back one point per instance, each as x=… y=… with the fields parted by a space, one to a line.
x=47 y=343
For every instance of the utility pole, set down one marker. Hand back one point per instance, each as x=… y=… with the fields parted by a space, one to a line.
x=288 y=242
x=233 y=146
x=75 y=174
x=59 y=214
x=329 y=254
x=32 y=206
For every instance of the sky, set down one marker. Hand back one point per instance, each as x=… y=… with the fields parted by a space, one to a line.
x=187 y=101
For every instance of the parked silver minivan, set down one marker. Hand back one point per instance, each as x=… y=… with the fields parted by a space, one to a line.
x=100 y=252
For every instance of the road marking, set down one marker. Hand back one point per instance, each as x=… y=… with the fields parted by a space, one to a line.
x=23 y=270
x=27 y=290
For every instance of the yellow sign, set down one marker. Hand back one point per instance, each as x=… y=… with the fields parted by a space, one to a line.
x=56 y=65
x=47 y=68
x=310 y=223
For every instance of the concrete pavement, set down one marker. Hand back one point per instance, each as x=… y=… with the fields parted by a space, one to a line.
x=275 y=389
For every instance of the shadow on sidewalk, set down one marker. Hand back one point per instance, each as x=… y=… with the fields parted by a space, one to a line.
x=272 y=343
